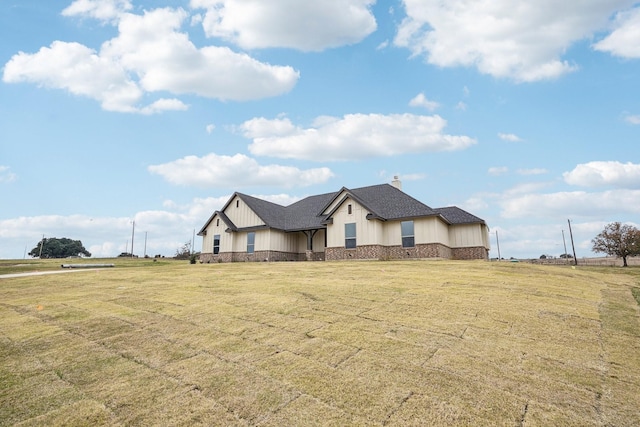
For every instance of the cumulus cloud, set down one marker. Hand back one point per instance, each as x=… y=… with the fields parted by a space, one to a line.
x=421 y=101
x=624 y=40
x=236 y=171
x=509 y=137
x=302 y=25
x=524 y=41
x=149 y=55
x=354 y=136
x=579 y=203
x=165 y=230
x=597 y=174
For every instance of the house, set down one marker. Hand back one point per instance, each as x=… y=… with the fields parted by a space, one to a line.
x=375 y=222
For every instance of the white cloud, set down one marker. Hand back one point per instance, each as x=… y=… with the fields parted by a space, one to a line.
x=302 y=25
x=166 y=230
x=510 y=137
x=355 y=136
x=78 y=69
x=6 y=175
x=164 y=105
x=105 y=236
x=421 y=101
x=633 y=119
x=104 y=10
x=236 y=171
x=576 y=203
x=595 y=174
x=624 y=41
x=149 y=55
x=210 y=128
x=523 y=41
x=498 y=170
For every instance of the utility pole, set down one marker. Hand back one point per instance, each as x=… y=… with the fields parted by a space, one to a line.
x=133 y=230
x=498 y=244
x=41 y=245
x=575 y=259
x=145 y=244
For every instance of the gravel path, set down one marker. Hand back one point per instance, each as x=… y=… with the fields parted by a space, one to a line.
x=41 y=273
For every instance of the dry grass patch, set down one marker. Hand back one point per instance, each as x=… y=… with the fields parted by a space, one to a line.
x=361 y=343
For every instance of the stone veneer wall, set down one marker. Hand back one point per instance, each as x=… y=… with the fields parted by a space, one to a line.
x=432 y=250
x=477 y=252
x=259 y=256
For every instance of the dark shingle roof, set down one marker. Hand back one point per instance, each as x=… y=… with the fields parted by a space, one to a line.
x=272 y=214
x=455 y=215
x=305 y=214
x=388 y=202
x=384 y=202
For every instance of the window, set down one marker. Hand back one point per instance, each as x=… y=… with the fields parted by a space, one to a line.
x=218 y=222
x=216 y=244
x=237 y=203
x=251 y=242
x=350 y=235
x=349 y=209
x=408 y=238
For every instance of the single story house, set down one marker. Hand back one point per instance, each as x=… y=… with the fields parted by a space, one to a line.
x=375 y=222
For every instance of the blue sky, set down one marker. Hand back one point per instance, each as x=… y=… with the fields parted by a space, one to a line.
x=526 y=114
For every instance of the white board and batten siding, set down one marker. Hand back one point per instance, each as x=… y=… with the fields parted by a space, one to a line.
x=387 y=233
x=469 y=235
x=367 y=232
x=216 y=226
x=241 y=214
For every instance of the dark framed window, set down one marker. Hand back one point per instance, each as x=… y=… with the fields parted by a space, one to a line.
x=218 y=222
x=216 y=244
x=251 y=242
x=408 y=238
x=350 y=235
x=349 y=209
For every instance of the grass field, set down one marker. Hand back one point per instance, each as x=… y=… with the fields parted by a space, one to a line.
x=350 y=343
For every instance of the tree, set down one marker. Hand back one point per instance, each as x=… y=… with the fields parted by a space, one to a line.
x=184 y=252
x=58 y=248
x=619 y=240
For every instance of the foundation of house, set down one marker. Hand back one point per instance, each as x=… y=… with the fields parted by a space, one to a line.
x=432 y=250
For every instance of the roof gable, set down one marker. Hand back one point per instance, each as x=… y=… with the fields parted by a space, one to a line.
x=272 y=214
x=384 y=202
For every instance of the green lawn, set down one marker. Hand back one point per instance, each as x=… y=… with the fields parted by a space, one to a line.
x=327 y=343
